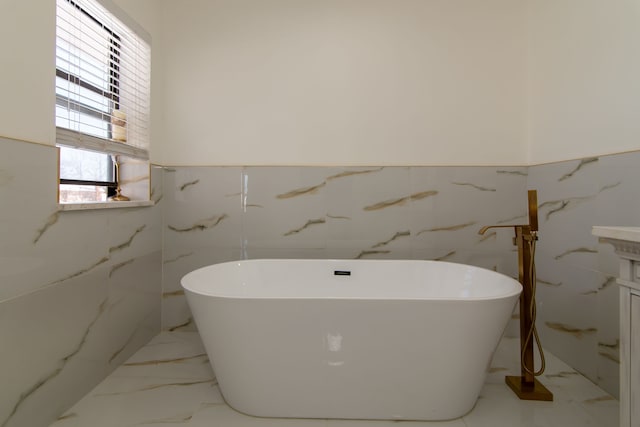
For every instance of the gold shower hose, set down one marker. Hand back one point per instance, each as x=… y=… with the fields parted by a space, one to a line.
x=533 y=332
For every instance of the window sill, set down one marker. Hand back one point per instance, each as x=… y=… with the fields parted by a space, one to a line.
x=103 y=205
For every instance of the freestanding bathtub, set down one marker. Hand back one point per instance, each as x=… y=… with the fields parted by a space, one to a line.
x=358 y=339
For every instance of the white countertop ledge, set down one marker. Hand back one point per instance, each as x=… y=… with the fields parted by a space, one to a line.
x=630 y=234
x=103 y=205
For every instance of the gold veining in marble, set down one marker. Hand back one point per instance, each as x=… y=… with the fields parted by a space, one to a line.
x=351 y=173
x=396 y=236
x=370 y=253
x=201 y=225
x=211 y=381
x=477 y=187
x=186 y=324
x=67 y=416
x=400 y=201
x=614 y=346
x=581 y=250
x=423 y=195
x=301 y=191
x=25 y=395
x=556 y=206
x=128 y=341
x=576 y=332
x=506 y=172
x=179 y=257
x=166 y=361
x=51 y=220
x=445 y=256
x=118 y=266
x=513 y=219
x=605 y=398
x=548 y=283
x=173 y=294
x=85 y=270
x=338 y=217
x=609 y=186
x=170 y=420
x=155 y=201
x=448 y=228
x=610 y=357
x=188 y=184
x=563 y=374
x=582 y=163
x=61 y=365
x=610 y=351
x=609 y=281
x=128 y=242
x=308 y=224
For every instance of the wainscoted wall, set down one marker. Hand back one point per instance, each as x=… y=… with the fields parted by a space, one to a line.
x=79 y=290
x=577 y=293
x=216 y=214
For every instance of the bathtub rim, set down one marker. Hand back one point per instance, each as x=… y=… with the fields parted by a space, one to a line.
x=515 y=290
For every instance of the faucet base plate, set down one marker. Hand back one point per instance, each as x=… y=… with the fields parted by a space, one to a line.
x=528 y=391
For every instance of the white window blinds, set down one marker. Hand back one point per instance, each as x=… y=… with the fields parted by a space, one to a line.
x=102 y=81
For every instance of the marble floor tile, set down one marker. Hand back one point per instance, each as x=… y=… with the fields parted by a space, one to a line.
x=169 y=382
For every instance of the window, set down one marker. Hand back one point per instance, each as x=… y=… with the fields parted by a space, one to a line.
x=102 y=100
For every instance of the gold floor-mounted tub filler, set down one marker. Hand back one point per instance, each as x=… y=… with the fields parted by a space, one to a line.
x=526 y=386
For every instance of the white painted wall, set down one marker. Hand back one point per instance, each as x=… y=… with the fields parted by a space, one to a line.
x=419 y=82
x=584 y=93
x=356 y=82
x=27 y=70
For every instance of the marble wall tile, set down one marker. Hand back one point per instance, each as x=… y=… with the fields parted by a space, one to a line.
x=368 y=212
x=134 y=178
x=618 y=184
x=50 y=352
x=608 y=336
x=567 y=197
x=202 y=225
x=80 y=290
x=566 y=322
x=576 y=274
x=284 y=207
x=175 y=311
x=27 y=212
x=202 y=206
x=135 y=278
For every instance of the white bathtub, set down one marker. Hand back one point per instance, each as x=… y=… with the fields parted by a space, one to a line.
x=363 y=339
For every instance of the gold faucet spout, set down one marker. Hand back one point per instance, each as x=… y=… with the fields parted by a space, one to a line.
x=484 y=229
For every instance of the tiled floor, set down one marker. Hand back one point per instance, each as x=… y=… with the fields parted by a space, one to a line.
x=169 y=383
